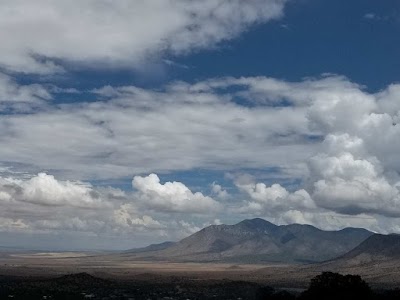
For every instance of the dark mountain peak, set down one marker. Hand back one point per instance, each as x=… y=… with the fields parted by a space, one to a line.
x=257 y=224
x=246 y=227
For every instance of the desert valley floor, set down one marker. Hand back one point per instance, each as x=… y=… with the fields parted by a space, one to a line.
x=285 y=276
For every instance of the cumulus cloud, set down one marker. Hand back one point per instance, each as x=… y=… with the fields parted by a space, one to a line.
x=44 y=189
x=350 y=181
x=44 y=204
x=123 y=33
x=270 y=200
x=171 y=196
x=355 y=171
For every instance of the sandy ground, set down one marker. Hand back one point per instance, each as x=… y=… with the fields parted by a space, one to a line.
x=109 y=266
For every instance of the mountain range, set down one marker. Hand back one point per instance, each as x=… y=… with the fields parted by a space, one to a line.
x=256 y=241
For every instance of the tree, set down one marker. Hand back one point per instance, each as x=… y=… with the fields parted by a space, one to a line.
x=329 y=285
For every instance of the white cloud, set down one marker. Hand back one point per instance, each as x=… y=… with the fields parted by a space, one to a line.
x=188 y=228
x=37 y=35
x=172 y=196
x=17 y=97
x=353 y=171
x=219 y=191
x=333 y=102
x=350 y=181
x=183 y=128
x=328 y=220
x=44 y=189
x=270 y=200
x=356 y=169
x=43 y=204
x=180 y=126
x=388 y=100
x=127 y=216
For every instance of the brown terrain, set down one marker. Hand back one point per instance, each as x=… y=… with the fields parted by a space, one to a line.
x=376 y=259
x=379 y=272
x=376 y=273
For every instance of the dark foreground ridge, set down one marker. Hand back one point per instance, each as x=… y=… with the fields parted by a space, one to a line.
x=84 y=286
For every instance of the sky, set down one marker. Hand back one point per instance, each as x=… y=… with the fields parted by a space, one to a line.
x=125 y=123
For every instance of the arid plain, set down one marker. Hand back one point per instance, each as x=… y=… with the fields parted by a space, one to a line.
x=379 y=274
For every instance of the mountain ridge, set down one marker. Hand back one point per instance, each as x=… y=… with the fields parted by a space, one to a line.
x=257 y=240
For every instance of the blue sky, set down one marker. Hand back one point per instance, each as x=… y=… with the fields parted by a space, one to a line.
x=358 y=39
x=152 y=120
x=313 y=37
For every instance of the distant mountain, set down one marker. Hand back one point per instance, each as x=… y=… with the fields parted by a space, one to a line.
x=258 y=240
